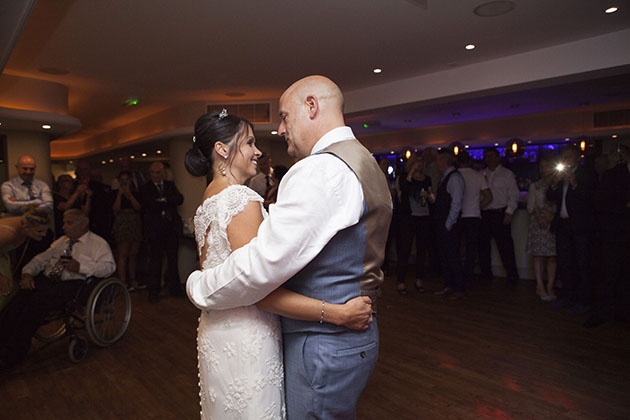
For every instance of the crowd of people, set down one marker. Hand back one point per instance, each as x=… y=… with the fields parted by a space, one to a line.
x=578 y=225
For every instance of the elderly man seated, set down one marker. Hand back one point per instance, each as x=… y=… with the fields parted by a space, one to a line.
x=49 y=281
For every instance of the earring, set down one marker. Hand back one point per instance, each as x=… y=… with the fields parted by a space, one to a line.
x=223 y=171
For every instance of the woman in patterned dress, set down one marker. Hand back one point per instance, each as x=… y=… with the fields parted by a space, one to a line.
x=541 y=242
x=239 y=350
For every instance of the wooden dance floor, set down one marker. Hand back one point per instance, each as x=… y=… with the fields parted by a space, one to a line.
x=497 y=354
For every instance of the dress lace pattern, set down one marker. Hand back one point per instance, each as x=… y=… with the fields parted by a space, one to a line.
x=239 y=350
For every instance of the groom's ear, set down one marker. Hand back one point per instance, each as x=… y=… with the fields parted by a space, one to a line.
x=312 y=106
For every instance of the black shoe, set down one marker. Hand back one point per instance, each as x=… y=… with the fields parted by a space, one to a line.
x=419 y=286
x=401 y=290
x=594 y=321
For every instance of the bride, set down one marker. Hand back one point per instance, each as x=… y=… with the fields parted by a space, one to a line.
x=240 y=350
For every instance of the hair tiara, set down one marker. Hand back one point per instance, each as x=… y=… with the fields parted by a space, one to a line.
x=223 y=114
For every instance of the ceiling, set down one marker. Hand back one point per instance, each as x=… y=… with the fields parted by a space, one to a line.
x=170 y=53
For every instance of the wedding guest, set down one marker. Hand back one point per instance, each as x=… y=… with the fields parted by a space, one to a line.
x=278 y=172
x=496 y=218
x=262 y=182
x=162 y=228
x=612 y=199
x=14 y=231
x=415 y=222
x=572 y=193
x=393 y=237
x=68 y=196
x=448 y=206
x=541 y=242
x=24 y=189
x=477 y=195
x=49 y=282
x=127 y=229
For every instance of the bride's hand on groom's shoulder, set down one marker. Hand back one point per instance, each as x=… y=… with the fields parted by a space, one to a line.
x=357 y=313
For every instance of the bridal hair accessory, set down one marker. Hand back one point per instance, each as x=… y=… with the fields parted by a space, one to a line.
x=223 y=114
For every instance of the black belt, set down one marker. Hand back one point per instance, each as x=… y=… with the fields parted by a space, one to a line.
x=501 y=210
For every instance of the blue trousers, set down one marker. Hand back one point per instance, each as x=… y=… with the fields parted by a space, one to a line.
x=326 y=373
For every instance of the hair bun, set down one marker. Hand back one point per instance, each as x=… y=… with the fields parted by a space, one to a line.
x=195 y=162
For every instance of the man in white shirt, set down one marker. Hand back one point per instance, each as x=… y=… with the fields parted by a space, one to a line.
x=496 y=218
x=477 y=195
x=24 y=189
x=49 y=281
x=262 y=181
x=326 y=235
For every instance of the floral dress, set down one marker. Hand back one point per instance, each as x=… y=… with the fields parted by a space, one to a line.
x=541 y=242
x=239 y=350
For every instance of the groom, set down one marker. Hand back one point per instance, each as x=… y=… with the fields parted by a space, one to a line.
x=324 y=238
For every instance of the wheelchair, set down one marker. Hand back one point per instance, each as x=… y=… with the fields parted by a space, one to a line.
x=102 y=307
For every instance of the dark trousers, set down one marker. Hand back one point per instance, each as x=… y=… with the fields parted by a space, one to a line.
x=469 y=235
x=613 y=289
x=418 y=227
x=448 y=243
x=492 y=227
x=574 y=262
x=27 y=311
x=164 y=243
x=392 y=239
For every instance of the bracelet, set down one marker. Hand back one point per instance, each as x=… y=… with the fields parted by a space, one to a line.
x=321 y=319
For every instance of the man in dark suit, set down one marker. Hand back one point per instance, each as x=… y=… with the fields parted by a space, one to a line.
x=612 y=201
x=572 y=192
x=162 y=228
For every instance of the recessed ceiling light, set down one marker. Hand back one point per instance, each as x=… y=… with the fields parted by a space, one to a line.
x=496 y=144
x=567 y=139
x=132 y=157
x=158 y=151
x=614 y=136
x=377 y=70
x=466 y=146
x=0 y=123
x=392 y=152
x=111 y=161
x=470 y=46
x=274 y=132
x=494 y=8
x=144 y=155
x=529 y=142
x=611 y=10
x=103 y=162
x=46 y=126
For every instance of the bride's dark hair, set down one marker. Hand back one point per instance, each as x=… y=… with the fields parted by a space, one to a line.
x=209 y=129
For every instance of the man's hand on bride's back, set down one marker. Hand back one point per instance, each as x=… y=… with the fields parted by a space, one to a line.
x=358 y=313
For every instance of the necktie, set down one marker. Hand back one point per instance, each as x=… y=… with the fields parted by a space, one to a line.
x=55 y=273
x=160 y=188
x=29 y=187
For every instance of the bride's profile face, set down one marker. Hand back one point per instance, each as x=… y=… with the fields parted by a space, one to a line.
x=246 y=158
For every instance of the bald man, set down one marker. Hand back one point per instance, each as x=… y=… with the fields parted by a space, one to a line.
x=24 y=189
x=324 y=238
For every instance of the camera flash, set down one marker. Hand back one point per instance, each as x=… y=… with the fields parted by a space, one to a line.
x=559 y=167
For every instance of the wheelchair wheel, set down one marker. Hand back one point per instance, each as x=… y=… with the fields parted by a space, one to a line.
x=51 y=331
x=77 y=349
x=107 y=312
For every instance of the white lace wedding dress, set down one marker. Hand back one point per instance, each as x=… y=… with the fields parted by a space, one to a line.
x=239 y=350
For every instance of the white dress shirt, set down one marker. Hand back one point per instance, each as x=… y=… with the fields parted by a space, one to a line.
x=475 y=183
x=455 y=189
x=91 y=251
x=318 y=197
x=15 y=187
x=502 y=183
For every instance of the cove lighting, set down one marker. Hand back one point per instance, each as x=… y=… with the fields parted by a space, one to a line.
x=46 y=126
x=377 y=70
x=611 y=10
x=470 y=46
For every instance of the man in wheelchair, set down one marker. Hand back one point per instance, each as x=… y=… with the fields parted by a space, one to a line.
x=51 y=280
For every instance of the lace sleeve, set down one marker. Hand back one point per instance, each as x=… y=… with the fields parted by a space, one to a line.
x=213 y=218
